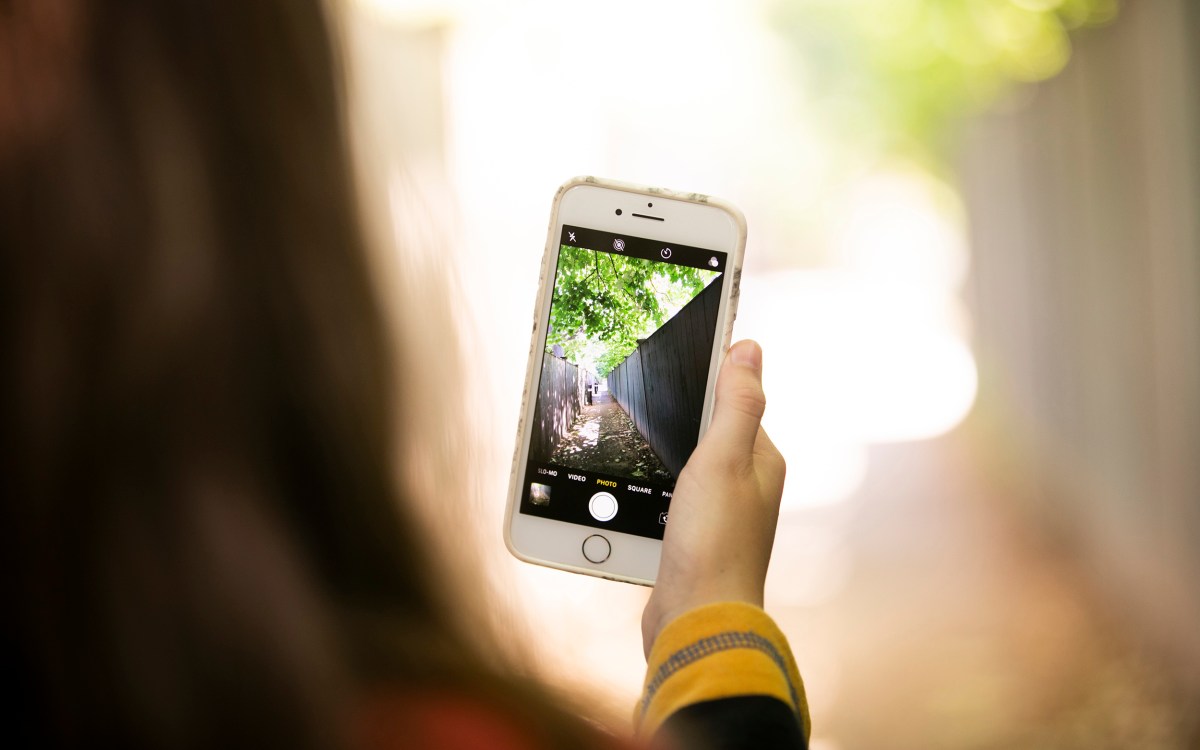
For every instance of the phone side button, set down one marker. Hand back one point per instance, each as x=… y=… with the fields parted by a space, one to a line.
x=596 y=548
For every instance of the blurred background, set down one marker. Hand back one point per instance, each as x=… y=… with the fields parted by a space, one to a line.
x=974 y=266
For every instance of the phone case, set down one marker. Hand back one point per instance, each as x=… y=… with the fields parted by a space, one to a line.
x=532 y=369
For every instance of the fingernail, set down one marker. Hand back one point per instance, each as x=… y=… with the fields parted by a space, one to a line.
x=747 y=354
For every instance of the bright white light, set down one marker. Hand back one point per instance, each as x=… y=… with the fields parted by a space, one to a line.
x=415 y=12
x=903 y=226
x=850 y=361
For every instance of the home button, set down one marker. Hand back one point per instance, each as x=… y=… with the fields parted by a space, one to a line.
x=596 y=548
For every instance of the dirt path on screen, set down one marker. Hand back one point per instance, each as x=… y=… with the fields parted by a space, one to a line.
x=604 y=439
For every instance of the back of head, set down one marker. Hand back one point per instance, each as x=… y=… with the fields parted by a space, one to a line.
x=203 y=533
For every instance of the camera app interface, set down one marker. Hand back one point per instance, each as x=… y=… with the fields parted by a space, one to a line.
x=628 y=344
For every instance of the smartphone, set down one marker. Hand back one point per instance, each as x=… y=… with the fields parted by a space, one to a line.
x=634 y=312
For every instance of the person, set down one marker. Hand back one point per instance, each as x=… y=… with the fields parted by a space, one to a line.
x=206 y=544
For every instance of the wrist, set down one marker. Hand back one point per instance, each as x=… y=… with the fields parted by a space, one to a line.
x=661 y=609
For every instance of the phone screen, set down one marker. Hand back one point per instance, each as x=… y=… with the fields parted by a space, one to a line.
x=619 y=399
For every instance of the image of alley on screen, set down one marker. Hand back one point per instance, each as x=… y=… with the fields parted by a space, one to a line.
x=625 y=365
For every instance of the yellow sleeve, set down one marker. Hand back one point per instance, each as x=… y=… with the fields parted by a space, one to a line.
x=718 y=651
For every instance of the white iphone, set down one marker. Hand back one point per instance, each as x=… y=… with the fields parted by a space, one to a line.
x=634 y=312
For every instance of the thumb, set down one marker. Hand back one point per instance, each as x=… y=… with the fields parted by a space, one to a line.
x=740 y=400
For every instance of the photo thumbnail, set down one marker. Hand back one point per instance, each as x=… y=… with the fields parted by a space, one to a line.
x=539 y=494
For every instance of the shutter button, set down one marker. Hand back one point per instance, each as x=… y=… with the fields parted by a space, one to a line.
x=603 y=506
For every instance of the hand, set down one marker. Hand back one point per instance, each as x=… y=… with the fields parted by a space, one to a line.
x=725 y=505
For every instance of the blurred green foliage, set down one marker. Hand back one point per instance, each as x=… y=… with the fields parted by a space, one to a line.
x=897 y=74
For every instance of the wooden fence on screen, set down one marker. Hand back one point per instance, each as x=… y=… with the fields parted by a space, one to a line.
x=661 y=384
x=562 y=392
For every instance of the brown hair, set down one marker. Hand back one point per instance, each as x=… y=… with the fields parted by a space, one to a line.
x=205 y=546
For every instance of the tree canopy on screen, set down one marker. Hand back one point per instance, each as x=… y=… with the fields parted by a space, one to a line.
x=603 y=303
